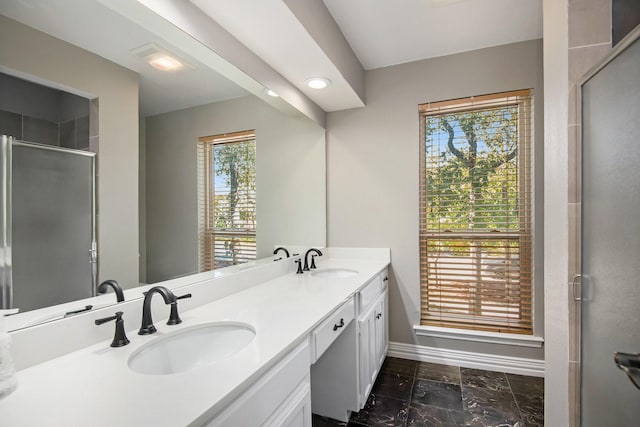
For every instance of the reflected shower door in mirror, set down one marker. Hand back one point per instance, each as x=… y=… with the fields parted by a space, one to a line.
x=145 y=133
x=49 y=223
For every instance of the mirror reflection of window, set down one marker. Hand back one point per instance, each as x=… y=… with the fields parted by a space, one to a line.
x=227 y=199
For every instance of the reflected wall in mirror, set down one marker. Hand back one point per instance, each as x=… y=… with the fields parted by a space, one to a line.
x=148 y=130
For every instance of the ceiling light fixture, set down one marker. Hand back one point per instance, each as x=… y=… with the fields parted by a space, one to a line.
x=161 y=59
x=318 y=82
x=166 y=63
x=271 y=93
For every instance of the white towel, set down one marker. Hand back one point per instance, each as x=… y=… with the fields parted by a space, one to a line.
x=8 y=379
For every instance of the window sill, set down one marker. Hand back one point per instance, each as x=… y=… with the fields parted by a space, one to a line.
x=479 y=336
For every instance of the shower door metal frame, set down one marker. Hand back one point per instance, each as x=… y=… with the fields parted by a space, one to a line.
x=6 y=279
x=575 y=284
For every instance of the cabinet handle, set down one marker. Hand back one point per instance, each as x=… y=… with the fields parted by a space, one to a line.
x=385 y=279
x=338 y=325
x=379 y=315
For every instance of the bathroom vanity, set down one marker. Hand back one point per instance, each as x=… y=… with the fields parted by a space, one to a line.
x=319 y=341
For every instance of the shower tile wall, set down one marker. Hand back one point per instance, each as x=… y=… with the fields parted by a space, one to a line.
x=589 y=41
x=36 y=113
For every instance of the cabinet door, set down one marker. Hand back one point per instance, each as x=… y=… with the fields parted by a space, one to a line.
x=379 y=335
x=366 y=326
x=381 y=330
x=296 y=412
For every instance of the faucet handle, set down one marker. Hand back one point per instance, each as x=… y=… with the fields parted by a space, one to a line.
x=299 y=262
x=174 y=317
x=313 y=262
x=120 y=337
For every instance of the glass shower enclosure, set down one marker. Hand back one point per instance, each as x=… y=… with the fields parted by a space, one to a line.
x=610 y=240
x=48 y=252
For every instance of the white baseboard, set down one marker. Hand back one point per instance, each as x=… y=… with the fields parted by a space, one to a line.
x=466 y=359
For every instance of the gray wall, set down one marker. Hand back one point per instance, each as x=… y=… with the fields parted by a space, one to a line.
x=51 y=61
x=142 y=199
x=36 y=113
x=290 y=180
x=30 y=99
x=372 y=169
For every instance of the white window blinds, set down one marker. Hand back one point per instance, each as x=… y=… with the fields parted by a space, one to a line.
x=475 y=213
x=227 y=199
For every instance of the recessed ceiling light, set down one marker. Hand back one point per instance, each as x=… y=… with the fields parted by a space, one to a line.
x=318 y=82
x=161 y=58
x=271 y=93
x=166 y=63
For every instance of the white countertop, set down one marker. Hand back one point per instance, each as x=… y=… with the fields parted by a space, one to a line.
x=93 y=386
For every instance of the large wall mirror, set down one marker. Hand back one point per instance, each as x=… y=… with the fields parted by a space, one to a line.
x=144 y=126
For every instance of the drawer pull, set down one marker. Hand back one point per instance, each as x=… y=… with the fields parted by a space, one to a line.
x=338 y=325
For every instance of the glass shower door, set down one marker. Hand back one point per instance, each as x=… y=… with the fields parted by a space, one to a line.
x=611 y=242
x=52 y=214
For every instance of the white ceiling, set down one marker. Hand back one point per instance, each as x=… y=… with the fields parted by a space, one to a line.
x=93 y=27
x=290 y=35
x=271 y=30
x=296 y=38
x=389 y=32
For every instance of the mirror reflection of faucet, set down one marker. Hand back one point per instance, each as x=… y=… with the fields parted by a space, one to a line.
x=104 y=286
x=281 y=248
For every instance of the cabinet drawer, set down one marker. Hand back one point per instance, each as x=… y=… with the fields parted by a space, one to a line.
x=331 y=328
x=370 y=292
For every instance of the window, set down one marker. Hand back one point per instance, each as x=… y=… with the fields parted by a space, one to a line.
x=227 y=199
x=476 y=213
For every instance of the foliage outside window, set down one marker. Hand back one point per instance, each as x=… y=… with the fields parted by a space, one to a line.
x=227 y=199
x=476 y=213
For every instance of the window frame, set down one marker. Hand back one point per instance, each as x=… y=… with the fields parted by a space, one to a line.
x=437 y=319
x=207 y=230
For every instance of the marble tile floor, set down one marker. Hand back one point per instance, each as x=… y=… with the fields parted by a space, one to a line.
x=418 y=394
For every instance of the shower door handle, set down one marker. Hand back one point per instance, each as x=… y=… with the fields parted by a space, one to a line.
x=576 y=283
x=630 y=364
x=93 y=253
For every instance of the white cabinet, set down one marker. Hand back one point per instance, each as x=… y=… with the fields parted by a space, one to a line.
x=342 y=378
x=373 y=338
x=381 y=328
x=280 y=398
x=295 y=411
x=346 y=352
x=325 y=334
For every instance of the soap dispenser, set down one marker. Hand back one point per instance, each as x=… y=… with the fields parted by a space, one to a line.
x=8 y=379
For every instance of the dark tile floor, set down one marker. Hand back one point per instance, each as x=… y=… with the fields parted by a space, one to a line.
x=419 y=394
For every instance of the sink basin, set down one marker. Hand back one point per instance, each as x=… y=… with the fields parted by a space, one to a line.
x=190 y=348
x=336 y=273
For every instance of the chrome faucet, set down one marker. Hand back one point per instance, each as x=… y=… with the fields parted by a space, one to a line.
x=169 y=298
x=306 y=259
x=102 y=288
